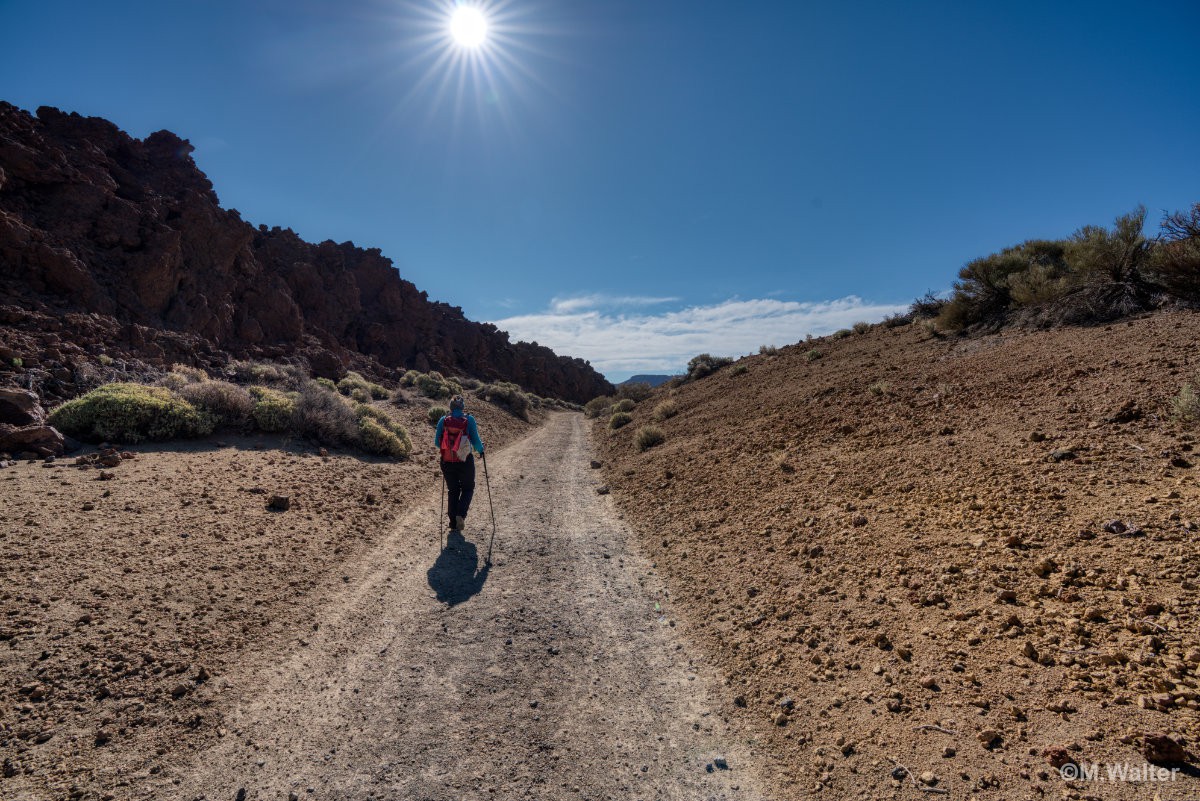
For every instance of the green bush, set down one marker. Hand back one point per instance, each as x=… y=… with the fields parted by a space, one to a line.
x=597 y=406
x=409 y=379
x=381 y=435
x=861 y=327
x=841 y=333
x=1175 y=263
x=705 y=364
x=228 y=403
x=180 y=376
x=508 y=395
x=812 y=355
x=355 y=383
x=436 y=413
x=647 y=437
x=328 y=383
x=665 y=410
x=739 y=368
x=1185 y=407
x=273 y=410
x=620 y=419
x=324 y=416
x=250 y=372
x=928 y=306
x=378 y=440
x=434 y=385
x=623 y=405
x=130 y=413
x=767 y=350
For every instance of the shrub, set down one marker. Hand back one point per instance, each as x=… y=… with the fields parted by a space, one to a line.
x=409 y=379
x=436 y=413
x=812 y=355
x=394 y=440
x=637 y=392
x=328 y=383
x=597 y=406
x=665 y=410
x=509 y=395
x=1176 y=261
x=249 y=372
x=322 y=415
x=469 y=384
x=861 y=327
x=273 y=410
x=767 y=350
x=228 y=403
x=739 y=368
x=841 y=333
x=180 y=375
x=131 y=413
x=705 y=364
x=360 y=395
x=381 y=441
x=623 y=405
x=356 y=383
x=105 y=359
x=647 y=437
x=620 y=419
x=896 y=320
x=927 y=306
x=434 y=385
x=1185 y=407
x=400 y=397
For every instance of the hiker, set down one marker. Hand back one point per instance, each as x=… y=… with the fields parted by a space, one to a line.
x=456 y=436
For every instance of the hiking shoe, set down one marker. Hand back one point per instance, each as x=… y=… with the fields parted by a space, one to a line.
x=460 y=523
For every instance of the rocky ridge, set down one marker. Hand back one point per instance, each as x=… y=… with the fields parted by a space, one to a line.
x=117 y=246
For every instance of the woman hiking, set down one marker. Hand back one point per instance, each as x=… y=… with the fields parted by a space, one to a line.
x=456 y=436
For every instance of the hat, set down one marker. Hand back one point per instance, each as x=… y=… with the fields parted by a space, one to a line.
x=457 y=403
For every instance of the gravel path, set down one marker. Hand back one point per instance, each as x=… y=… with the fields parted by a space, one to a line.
x=556 y=673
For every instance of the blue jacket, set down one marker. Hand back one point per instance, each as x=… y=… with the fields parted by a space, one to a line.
x=472 y=432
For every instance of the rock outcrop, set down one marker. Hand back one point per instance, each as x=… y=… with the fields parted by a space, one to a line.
x=130 y=235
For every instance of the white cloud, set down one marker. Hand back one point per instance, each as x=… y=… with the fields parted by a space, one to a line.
x=621 y=344
x=602 y=301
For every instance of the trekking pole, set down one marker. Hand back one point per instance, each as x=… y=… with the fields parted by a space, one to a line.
x=441 y=512
x=488 y=481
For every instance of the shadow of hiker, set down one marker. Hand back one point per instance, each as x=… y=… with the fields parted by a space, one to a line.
x=453 y=575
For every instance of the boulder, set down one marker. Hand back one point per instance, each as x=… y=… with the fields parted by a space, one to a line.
x=40 y=440
x=20 y=407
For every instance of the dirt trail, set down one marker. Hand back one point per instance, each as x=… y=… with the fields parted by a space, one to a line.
x=555 y=674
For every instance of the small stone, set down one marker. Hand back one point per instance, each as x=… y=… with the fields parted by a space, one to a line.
x=601 y=490
x=1006 y=597
x=1160 y=749
x=279 y=503
x=928 y=778
x=988 y=737
x=1029 y=651
x=1057 y=756
x=1062 y=455
x=1037 y=436
x=929 y=682
x=720 y=763
x=103 y=736
x=949 y=751
x=780 y=718
x=596 y=465
x=88 y=506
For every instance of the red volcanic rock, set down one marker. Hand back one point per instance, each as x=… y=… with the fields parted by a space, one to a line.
x=130 y=234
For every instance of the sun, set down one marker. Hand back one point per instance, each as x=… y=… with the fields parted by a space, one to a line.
x=468 y=26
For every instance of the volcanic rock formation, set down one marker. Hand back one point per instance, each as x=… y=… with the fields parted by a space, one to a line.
x=128 y=236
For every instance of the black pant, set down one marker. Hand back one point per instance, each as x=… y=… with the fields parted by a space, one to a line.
x=460 y=486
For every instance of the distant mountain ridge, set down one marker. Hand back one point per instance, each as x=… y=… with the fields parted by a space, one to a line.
x=654 y=380
x=130 y=234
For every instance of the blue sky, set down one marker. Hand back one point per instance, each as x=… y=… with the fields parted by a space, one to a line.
x=634 y=182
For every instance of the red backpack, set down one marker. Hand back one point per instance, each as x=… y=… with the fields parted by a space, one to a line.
x=456 y=444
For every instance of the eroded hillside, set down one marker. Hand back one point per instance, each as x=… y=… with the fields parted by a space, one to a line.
x=974 y=558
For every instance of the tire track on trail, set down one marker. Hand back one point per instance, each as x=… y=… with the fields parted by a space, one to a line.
x=551 y=675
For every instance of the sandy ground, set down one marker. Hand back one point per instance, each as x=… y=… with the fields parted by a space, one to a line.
x=967 y=556
x=556 y=672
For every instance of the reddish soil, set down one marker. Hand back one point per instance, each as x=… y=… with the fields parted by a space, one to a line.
x=126 y=604
x=969 y=557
